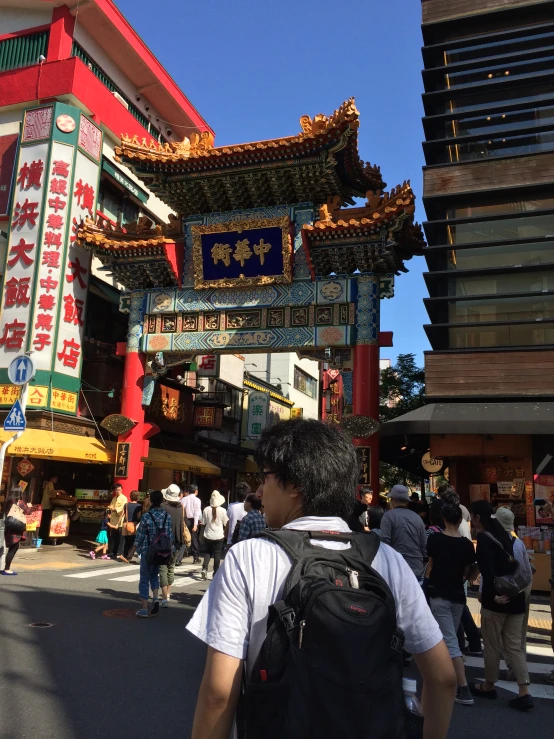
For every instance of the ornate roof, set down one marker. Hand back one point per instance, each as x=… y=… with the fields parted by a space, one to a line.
x=193 y=176
x=140 y=255
x=377 y=237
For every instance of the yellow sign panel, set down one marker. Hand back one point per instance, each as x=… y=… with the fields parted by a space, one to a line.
x=63 y=401
x=36 y=398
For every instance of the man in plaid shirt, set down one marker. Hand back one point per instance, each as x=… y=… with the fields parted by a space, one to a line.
x=253 y=522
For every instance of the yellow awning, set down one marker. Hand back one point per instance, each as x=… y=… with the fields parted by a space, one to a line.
x=59 y=446
x=250 y=465
x=167 y=460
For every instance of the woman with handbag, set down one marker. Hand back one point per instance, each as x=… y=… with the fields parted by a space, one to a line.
x=14 y=510
x=131 y=514
x=501 y=615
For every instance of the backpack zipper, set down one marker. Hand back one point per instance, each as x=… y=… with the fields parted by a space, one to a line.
x=353 y=578
x=301 y=634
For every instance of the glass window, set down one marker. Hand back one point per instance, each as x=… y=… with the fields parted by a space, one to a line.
x=510 y=255
x=504 y=146
x=490 y=72
x=305 y=383
x=495 y=98
x=505 y=229
x=512 y=282
x=494 y=209
x=499 y=48
x=115 y=205
x=501 y=309
x=492 y=122
x=490 y=336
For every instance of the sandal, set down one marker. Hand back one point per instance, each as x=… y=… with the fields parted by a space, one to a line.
x=477 y=689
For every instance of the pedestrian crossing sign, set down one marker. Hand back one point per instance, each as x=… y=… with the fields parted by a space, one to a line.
x=15 y=420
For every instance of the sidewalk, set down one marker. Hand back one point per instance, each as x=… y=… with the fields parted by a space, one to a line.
x=63 y=556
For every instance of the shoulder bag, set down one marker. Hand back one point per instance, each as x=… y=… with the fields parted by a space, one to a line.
x=514 y=583
x=129 y=528
x=187 y=539
x=16 y=521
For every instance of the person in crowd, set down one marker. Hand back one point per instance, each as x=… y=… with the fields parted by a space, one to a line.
x=404 y=531
x=131 y=519
x=49 y=493
x=183 y=551
x=193 y=513
x=172 y=504
x=253 y=522
x=501 y=617
x=506 y=519
x=309 y=476
x=451 y=561
x=361 y=508
x=151 y=523
x=236 y=511
x=436 y=521
x=215 y=521
x=146 y=503
x=414 y=503
x=102 y=538
x=374 y=516
x=115 y=525
x=13 y=536
x=449 y=494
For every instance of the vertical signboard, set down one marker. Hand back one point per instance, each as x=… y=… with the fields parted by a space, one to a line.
x=258 y=407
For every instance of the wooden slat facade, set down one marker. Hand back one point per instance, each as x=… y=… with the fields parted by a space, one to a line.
x=472 y=177
x=434 y=11
x=492 y=373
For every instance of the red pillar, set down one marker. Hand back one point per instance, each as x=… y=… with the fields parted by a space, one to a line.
x=60 y=42
x=131 y=406
x=365 y=399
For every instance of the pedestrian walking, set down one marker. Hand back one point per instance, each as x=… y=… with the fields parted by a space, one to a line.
x=102 y=538
x=374 y=517
x=183 y=551
x=215 y=521
x=172 y=504
x=237 y=512
x=193 y=512
x=253 y=522
x=358 y=520
x=501 y=616
x=404 y=531
x=131 y=520
x=308 y=479
x=14 y=510
x=115 y=525
x=451 y=561
x=153 y=542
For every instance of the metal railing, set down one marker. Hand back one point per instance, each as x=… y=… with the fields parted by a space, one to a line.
x=23 y=51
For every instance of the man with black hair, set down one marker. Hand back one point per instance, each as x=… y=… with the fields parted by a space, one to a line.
x=253 y=522
x=193 y=512
x=308 y=478
x=236 y=510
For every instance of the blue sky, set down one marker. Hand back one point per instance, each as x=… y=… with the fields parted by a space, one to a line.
x=252 y=68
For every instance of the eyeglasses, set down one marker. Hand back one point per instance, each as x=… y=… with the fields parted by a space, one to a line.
x=260 y=476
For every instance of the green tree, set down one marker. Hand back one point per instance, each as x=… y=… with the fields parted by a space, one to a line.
x=401 y=391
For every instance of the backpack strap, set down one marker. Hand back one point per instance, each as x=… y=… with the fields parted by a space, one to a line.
x=297 y=543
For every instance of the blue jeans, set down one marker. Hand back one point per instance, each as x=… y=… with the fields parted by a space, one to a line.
x=149 y=577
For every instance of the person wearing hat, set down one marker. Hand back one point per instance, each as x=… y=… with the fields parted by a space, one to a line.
x=215 y=521
x=172 y=505
x=404 y=531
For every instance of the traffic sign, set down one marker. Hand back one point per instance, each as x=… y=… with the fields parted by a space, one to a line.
x=21 y=370
x=15 y=420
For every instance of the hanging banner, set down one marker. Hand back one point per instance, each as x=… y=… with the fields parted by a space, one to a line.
x=258 y=408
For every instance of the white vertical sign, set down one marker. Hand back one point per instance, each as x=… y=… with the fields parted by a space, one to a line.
x=258 y=406
x=69 y=349
x=22 y=251
x=51 y=262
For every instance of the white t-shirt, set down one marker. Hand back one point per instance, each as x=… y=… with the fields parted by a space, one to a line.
x=214 y=530
x=236 y=513
x=232 y=615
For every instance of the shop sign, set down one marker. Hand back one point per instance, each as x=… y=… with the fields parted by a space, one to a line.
x=278 y=412
x=25 y=468
x=208 y=417
x=37 y=124
x=63 y=401
x=9 y=394
x=90 y=138
x=208 y=365
x=364 y=460
x=33 y=518
x=122 y=456
x=59 y=526
x=124 y=182
x=296 y=412
x=258 y=407
x=431 y=464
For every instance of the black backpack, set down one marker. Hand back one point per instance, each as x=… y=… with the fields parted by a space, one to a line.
x=160 y=549
x=331 y=662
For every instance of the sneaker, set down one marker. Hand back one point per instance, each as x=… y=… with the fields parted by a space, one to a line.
x=92 y=555
x=155 y=608
x=522 y=703
x=105 y=556
x=463 y=696
x=549 y=678
x=164 y=604
x=204 y=575
x=195 y=560
x=142 y=613
x=490 y=695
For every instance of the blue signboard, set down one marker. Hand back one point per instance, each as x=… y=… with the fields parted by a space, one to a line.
x=253 y=252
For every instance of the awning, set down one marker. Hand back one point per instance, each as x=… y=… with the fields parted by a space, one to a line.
x=59 y=446
x=167 y=460
x=474 y=418
x=250 y=465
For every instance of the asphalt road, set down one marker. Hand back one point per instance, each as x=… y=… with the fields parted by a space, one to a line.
x=100 y=672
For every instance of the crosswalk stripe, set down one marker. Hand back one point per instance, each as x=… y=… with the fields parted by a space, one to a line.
x=535 y=668
x=135 y=577
x=536 y=690
x=101 y=571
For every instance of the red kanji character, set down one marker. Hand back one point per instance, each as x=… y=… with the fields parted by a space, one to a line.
x=74 y=227
x=86 y=192
x=48 y=284
x=73 y=310
x=17 y=330
x=17 y=292
x=20 y=252
x=54 y=221
x=30 y=176
x=52 y=239
x=25 y=213
x=51 y=259
x=76 y=272
x=44 y=321
x=58 y=187
x=57 y=203
x=60 y=168
x=42 y=340
x=46 y=302
x=70 y=353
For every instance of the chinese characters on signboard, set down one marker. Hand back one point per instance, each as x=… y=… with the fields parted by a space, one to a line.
x=258 y=408
x=37 y=124
x=208 y=417
x=123 y=453
x=364 y=460
x=62 y=400
x=90 y=138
